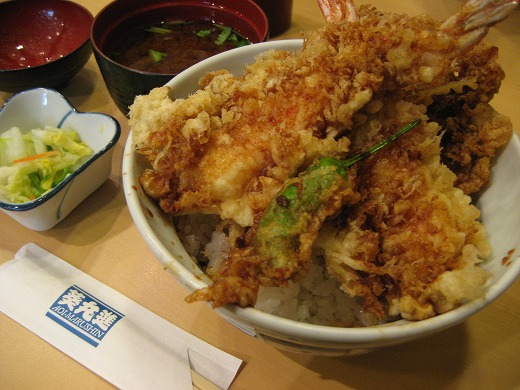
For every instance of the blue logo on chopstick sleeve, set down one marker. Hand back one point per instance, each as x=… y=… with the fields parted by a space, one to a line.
x=84 y=315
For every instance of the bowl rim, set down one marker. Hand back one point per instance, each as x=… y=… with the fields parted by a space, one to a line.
x=208 y=4
x=64 y=56
x=392 y=331
x=389 y=333
x=72 y=111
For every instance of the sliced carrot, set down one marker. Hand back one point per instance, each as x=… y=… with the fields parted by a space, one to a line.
x=36 y=156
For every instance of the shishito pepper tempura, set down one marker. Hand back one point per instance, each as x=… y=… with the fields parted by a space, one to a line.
x=408 y=242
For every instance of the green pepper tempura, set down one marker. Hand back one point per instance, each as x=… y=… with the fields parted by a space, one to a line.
x=285 y=234
x=289 y=226
x=33 y=163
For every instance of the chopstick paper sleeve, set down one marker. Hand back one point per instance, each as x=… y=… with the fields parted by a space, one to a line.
x=110 y=334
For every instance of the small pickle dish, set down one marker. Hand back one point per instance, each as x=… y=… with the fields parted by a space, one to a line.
x=499 y=212
x=36 y=109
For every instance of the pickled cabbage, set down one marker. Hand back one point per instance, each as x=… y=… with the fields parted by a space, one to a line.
x=33 y=163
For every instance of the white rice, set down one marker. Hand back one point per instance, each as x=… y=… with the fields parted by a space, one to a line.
x=316 y=298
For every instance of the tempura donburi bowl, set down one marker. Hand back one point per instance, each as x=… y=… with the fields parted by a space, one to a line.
x=499 y=215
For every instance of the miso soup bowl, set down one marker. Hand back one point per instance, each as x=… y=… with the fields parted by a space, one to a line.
x=114 y=22
x=40 y=107
x=500 y=215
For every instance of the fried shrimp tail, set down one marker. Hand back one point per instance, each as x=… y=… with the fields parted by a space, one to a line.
x=473 y=21
x=336 y=11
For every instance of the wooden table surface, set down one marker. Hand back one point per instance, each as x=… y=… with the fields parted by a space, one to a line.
x=99 y=237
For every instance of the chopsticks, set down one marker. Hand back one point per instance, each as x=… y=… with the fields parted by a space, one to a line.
x=201 y=383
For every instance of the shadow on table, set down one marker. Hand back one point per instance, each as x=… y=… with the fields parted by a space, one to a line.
x=95 y=213
x=432 y=362
x=80 y=87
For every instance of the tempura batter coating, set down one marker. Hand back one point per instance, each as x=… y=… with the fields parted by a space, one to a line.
x=228 y=148
x=412 y=246
x=412 y=243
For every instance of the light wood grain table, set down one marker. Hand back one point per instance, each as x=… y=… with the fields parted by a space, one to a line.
x=100 y=238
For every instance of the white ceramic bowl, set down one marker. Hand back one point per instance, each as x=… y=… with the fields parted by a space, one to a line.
x=37 y=108
x=500 y=214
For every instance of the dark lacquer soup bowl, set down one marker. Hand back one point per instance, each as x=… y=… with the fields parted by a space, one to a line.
x=123 y=26
x=43 y=43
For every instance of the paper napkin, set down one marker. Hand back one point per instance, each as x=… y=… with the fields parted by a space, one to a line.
x=113 y=336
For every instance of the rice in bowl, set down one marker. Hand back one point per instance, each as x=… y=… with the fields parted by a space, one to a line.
x=315 y=299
